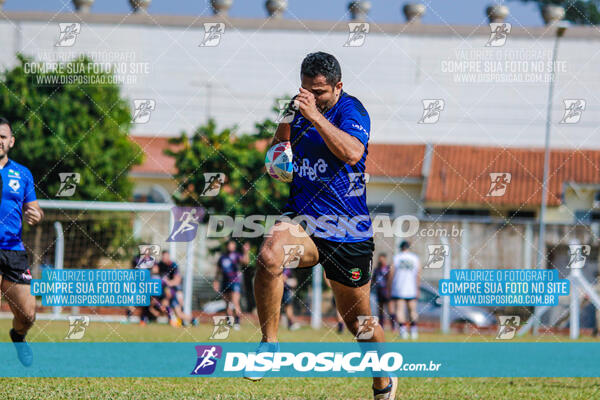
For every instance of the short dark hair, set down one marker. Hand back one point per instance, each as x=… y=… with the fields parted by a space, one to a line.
x=321 y=63
x=404 y=245
x=4 y=121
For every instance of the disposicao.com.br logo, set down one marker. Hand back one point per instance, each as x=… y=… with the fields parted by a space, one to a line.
x=300 y=362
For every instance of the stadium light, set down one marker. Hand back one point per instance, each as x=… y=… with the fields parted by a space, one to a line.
x=561 y=28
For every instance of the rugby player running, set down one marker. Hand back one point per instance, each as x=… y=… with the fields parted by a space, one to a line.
x=329 y=137
x=17 y=199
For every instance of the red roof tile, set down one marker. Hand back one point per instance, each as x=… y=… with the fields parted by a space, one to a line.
x=382 y=160
x=155 y=161
x=395 y=160
x=457 y=174
x=461 y=174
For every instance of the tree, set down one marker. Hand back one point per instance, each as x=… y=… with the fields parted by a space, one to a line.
x=247 y=189
x=65 y=121
x=61 y=125
x=581 y=12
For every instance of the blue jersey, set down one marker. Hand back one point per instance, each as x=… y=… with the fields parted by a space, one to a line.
x=325 y=188
x=229 y=264
x=17 y=187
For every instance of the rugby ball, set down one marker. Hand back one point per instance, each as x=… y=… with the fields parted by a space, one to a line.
x=279 y=162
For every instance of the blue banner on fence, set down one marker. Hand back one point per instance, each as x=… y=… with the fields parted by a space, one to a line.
x=504 y=287
x=306 y=360
x=96 y=287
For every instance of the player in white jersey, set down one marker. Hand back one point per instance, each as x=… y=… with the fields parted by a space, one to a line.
x=403 y=282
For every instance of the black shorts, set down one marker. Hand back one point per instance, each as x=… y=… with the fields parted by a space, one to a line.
x=347 y=263
x=14 y=266
x=382 y=297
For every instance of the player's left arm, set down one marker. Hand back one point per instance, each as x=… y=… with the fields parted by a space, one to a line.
x=176 y=281
x=343 y=145
x=31 y=209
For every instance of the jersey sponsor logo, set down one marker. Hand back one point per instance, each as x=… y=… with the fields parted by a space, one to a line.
x=360 y=128
x=311 y=172
x=14 y=185
x=14 y=174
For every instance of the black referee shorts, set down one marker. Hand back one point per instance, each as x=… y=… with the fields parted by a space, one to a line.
x=348 y=263
x=14 y=266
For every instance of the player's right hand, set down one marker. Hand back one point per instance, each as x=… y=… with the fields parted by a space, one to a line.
x=32 y=216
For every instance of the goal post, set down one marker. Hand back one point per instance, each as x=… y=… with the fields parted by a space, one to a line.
x=98 y=234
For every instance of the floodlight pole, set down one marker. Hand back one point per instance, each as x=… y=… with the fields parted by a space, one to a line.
x=560 y=31
x=59 y=256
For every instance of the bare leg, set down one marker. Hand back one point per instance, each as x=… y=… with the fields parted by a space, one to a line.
x=235 y=300
x=401 y=314
x=22 y=305
x=352 y=302
x=268 y=283
x=412 y=310
x=392 y=309
x=381 y=310
x=289 y=313
x=227 y=297
x=413 y=317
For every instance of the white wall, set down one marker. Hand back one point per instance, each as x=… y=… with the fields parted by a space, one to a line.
x=405 y=198
x=390 y=74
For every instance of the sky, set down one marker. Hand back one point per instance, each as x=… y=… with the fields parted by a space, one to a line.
x=454 y=12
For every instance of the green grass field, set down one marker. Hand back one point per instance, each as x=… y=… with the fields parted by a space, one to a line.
x=274 y=388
